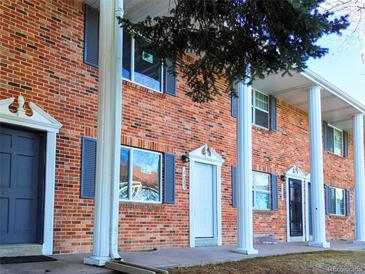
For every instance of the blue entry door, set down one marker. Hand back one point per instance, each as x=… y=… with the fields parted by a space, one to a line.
x=20 y=186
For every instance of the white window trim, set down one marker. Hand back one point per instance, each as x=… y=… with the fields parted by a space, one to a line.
x=254 y=90
x=132 y=72
x=130 y=176
x=342 y=144
x=254 y=190
x=344 y=202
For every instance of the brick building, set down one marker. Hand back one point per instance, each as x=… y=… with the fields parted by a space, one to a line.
x=179 y=173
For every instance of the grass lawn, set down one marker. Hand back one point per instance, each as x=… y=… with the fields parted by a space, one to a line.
x=314 y=262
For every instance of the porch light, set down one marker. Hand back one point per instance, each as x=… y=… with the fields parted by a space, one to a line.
x=185 y=158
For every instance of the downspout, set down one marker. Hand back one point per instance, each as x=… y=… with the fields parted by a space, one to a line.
x=117 y=88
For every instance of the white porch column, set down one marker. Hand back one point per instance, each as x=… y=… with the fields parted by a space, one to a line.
x=105 y=237
x=244 y=171
x=359 y=172
x=316 y=161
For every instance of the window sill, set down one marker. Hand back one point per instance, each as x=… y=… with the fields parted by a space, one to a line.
x=335 y=216
x=130 y=83
x=139 y=202
x=141 y=205
x=260 y=127
x=335 y=155
x=262 y=211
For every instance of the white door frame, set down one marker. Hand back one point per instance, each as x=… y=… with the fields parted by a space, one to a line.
x=42 y=121
x=294 y=173
x=206 y=155
x=307 y=181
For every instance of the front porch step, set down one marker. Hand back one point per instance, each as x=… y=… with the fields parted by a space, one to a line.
x=20 y=250
x=265 y=239
x=130 y=268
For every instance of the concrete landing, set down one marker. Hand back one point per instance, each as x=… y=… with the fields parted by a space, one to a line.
x=65 y=264
x=179 y=257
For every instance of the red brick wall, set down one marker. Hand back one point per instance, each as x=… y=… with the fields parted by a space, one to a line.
x=41 y=57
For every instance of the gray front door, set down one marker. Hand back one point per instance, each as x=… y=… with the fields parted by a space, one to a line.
x=20 y=186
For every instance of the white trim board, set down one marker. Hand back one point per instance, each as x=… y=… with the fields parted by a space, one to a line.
x=39 y=120
x=294 y=173
x=307 y=181
x=206 y=155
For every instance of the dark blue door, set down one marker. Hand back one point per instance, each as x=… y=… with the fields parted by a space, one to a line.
x=295 y=208
x=20 y=182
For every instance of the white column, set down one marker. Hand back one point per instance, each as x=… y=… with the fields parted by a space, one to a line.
x=244 y=171
x=359 y=172
x=105 y=237
x=316 y=161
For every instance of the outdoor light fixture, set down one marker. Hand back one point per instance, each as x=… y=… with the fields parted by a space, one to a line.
x=185 y=158
x=282 y=177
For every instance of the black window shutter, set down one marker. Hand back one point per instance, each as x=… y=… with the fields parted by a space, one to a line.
x=234 y=106
x=345 y=144
x=169 y=178
x=329 y=138
x=234 y=186
x=88 y=168
x=170 y=78
x=347 y=192
x=325 y=138
x=91 y=36
x=327 y=199
x=274 y=192
x=273 y=114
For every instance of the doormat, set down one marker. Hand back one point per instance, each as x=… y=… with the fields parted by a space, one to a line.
x=25 y=259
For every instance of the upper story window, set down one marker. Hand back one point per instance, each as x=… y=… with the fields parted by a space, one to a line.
x=336 y=203
x=140 y=66
x=260 y=109
x=261 y=190
x=140 y=175
x=336 y=140
x=264 y=109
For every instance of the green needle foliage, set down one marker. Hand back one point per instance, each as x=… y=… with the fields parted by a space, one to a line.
x=231 y=39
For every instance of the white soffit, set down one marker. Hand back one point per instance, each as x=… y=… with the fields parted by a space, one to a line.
x=137 y=10
x=337 y=107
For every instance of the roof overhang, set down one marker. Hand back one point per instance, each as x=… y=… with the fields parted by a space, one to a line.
x=338 y=107
x=137 y=10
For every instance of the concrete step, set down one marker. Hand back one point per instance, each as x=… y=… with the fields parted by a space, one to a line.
x=266 y=239
x=125 y=267
x=20 y=250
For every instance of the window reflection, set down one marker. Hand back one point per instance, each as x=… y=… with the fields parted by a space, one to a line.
x=144 y=182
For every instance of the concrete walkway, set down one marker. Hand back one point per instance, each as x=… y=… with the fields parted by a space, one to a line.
x=174 y=257
x=166 y=258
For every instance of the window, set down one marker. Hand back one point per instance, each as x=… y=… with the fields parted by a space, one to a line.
x=140 y=175
x=338 y=141
x=139 y=66
x=336 y=201
x=334 y=140
x=260 y=109
x=261 y=190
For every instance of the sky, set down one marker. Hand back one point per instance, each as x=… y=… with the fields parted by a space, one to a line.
x=342 y=66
